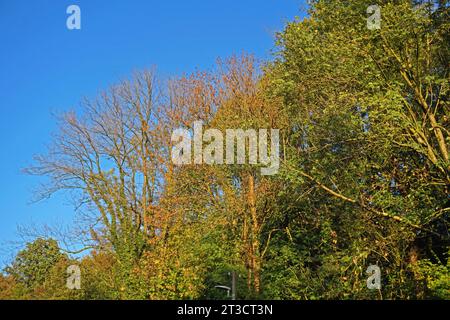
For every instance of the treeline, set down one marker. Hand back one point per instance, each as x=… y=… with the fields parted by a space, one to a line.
x=364 y=175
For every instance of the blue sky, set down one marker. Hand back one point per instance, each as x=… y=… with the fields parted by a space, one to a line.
x=46 y=68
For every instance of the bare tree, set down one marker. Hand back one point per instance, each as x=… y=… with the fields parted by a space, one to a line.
x=112 y=156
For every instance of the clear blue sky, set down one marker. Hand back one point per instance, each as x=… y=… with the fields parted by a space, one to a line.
x=45 y=68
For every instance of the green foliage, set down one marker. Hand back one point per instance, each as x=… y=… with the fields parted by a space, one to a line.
x=436 y=276
x=367 y=175
x=34 y=264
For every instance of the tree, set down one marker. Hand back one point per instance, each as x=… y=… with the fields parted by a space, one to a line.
x=7 y=287
x=112 y=157
x=33 y=265
x=367 y=160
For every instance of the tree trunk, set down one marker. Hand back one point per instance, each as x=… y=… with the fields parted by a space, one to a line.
x=255 y=256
